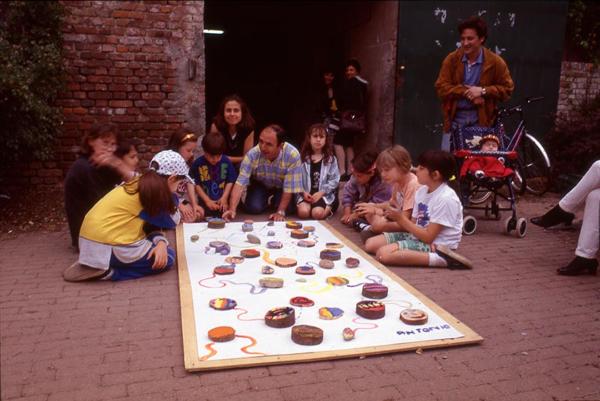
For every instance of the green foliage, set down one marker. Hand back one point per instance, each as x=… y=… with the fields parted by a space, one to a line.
x=31 y=77
x=574 y=143
x=583 y=28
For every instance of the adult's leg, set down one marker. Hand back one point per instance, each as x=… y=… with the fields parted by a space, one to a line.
x=575 y=198
x=587 y=245
x=277 y=193
x=341 y=158
x=349 y=158
x=256 y=198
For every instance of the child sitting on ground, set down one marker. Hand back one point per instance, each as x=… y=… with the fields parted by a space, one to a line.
x=365 y=186
x=214 y=175
x=320 y=175
x=394 y=165
x=121 y=235
x=184 y=143
x=486 y=166
x=436 y=226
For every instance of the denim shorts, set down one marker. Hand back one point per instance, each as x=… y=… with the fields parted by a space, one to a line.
x=407 y=241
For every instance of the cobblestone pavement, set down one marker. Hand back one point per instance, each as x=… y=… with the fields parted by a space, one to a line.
x=107 y=341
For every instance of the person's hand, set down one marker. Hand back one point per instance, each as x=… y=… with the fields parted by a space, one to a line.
x=187 y=213
x=316 y=196
x=479 y=100
x=159 y=252
x=276 y=217
x=394 y=215
x=223 y=205
x=212 y=205
x=198 y=212
x=307 y=197
x=229 y=215
x=105 y=157
x=473 y=92
x=365 y=208
x=349 y=218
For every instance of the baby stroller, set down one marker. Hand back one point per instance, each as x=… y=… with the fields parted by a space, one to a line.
x=477 y=189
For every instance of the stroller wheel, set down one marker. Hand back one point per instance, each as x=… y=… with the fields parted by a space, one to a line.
x=521 y=228
x=509 y=224
x=469 y=225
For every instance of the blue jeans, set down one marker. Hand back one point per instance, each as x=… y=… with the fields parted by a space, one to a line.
x=461 y=119
x=139 y=268
x=257 y=196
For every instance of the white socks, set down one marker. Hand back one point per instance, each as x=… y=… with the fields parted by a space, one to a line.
x=436 y=260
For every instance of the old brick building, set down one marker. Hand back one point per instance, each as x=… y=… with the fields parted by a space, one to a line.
x=135 y=64
x=142 y=65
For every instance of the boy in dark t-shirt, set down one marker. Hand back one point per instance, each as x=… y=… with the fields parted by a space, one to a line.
x=214 y=175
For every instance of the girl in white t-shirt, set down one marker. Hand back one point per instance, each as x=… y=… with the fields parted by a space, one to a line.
x=394 y=165
x=436 y=226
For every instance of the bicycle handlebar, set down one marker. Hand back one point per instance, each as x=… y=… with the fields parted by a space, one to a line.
x=519 y=108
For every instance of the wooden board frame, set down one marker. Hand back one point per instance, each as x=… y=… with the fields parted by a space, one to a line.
x=190 y=344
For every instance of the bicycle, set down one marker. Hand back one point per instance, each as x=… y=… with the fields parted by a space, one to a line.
x=533 y=172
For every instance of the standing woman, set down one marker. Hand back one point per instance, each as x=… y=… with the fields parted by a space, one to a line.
x=353 y=107
x=235 y=122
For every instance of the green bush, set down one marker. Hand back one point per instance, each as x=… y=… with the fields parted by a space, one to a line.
x=31 y=77
x=574 y=142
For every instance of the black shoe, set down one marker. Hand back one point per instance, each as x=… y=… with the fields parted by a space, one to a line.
x=454 y=260
x=553 y=217
x=579 y=266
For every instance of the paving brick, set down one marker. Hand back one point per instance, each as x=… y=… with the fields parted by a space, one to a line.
x=103 y=341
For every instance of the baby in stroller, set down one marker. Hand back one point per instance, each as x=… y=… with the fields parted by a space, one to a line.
x=485 y=172
x=481 y=166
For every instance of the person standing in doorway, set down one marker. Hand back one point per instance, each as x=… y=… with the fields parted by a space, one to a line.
x=353 y=107
x=235 y=122
x=471 y=81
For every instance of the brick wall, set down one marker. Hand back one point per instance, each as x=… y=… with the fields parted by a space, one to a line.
x=127 y=63
x=578 y=82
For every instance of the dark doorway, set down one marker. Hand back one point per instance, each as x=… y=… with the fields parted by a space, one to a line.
x=272 y=54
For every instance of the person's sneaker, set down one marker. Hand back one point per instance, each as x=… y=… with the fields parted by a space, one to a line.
x=454 y=260
x=361 y=225
x=78 y=272
x=366 y=234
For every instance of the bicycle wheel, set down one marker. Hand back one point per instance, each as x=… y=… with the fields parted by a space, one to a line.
x=535 y=165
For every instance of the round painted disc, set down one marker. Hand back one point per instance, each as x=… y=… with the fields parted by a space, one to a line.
x=330 y=313
x=337 y=281
x=306 y=270
x=222 y=303
x=234 y=260
x=194 y=238
x=413 y=316
x=302 y=302
x=250 y=253
x=224 y=270
x=221 y=334
x=286 y=262
x=306 y=243
x=274 y=245
x=334 y=245
x=352 y=262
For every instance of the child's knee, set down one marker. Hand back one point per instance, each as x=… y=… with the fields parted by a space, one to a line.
x=303 y=212
x=318 y=214
x=371 y=245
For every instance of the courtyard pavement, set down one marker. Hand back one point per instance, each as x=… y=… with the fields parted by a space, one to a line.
x=122 y=341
